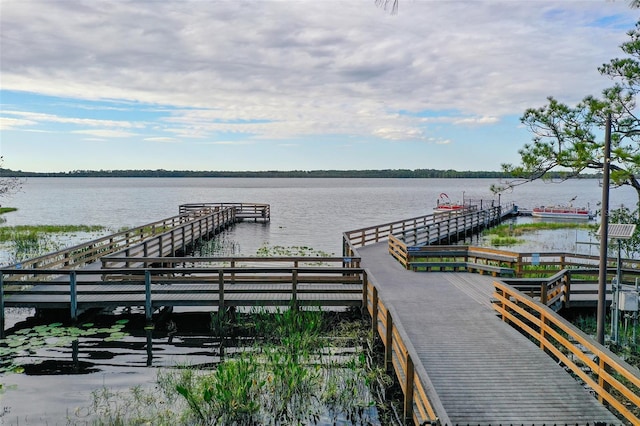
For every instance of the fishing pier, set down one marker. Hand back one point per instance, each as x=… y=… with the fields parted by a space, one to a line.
x=472 y=334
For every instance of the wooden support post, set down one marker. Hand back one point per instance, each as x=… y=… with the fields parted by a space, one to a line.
x=220 y=291
x=365 y=295
x=294 y=289
x=374 y=311
x=567 y=290
x=602 y=382
x=408 y=387
x=73 y=295
x=388 y=345
x=543 y=293
x=148 y=309
x=543 y=330
x=1 y=305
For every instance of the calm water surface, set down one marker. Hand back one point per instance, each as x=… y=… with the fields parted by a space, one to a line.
x=311 y=212
x=304 y=212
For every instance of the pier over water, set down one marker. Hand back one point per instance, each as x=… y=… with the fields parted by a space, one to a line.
x=470 y=339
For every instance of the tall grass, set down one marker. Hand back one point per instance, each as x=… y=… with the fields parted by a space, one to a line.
x=291 y=374
x=27 y=241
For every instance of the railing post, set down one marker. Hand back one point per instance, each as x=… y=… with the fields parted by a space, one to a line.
x=543 y=326
x=388 y=345
x=543 y=292
x=148 y=311
x=374 y=312
x=365 y=294
x=567 y=290
x=408 y=386
x=73 y=296
x=1 y=305
x=294 y=288
x=221 y=290
x=601 y=382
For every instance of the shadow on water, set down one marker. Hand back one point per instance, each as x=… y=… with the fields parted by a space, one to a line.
x=92 y=361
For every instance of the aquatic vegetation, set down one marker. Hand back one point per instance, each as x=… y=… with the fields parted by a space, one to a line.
x=25 y=242
x=516 y=230
x=10 y=233
x=504 y=241
x=268 y=250
x=27 y=341
x=292 y=371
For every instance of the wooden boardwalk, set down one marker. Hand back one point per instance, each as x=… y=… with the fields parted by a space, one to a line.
x=483 y=371
x=442 y=334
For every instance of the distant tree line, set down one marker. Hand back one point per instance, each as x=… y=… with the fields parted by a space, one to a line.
x=386 y=173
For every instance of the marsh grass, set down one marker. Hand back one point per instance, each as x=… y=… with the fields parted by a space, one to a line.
x=4 y=210
x=512 y=234
x=291 y=371
x=10 y=233
x=506 y=230
x=29 y=241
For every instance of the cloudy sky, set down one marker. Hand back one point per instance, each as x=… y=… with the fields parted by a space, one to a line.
x=290 y=84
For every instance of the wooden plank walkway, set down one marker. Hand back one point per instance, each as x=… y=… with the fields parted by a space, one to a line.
x=483 y=370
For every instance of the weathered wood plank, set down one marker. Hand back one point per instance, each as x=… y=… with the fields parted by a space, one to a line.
x=483 y=370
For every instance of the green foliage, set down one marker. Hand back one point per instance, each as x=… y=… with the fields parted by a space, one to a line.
x=4 y=210
x=510 y=230
x=29 y=241
x=630 y=248
x=10 y=233
x=292 y=374
x=570 y=138
x=498 y=241
x=507 y=234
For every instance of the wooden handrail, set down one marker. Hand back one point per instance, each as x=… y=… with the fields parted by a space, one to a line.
x=181 y=281
x=421 y=404
x=574 y=349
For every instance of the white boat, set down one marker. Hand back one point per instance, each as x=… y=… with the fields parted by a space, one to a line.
x=562 y=212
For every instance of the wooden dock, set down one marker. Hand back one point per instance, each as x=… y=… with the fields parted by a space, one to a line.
x=445 y=314
x=478 y=369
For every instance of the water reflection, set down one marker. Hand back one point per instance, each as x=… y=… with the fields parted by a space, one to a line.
x=117 y=365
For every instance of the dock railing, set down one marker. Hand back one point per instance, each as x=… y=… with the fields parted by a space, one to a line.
x=255 y=211
x=173 y=240
x=615 y=382
x=421 y=403
x=83 y=254
x=218 y=284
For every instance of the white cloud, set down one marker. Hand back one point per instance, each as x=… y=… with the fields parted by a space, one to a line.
x=105 y=133
x=290 y=69
x=162 y=140
x=35 y=118
x=8 y=123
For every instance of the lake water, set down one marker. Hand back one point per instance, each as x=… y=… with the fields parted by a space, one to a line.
x=310 y=212
x=304 y=212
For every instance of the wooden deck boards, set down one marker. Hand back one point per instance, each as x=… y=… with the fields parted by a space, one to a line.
x=484 y=371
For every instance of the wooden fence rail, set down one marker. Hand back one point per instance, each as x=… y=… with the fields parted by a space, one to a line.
x=427 y=229
x=83 y=254
x=112 y=262
x=616 y=383
x=90 y=252
x=255 y=211
x=193 y=286
x=421 y=404
x=174 y=240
